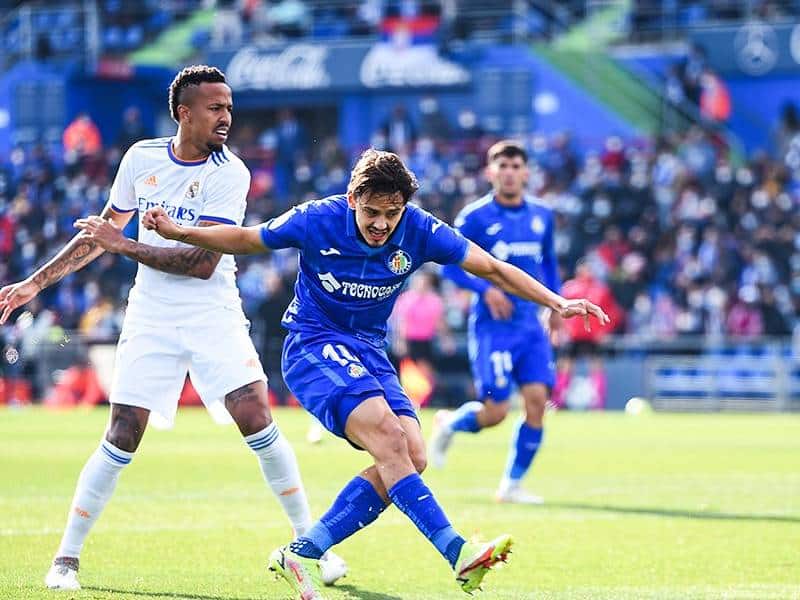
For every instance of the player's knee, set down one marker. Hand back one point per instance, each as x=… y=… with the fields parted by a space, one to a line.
x=495 y=413
x=249 y=408
x=419 y=459
x=253 y=421
x=392 y=436
x=536 y=403
x=124 y=436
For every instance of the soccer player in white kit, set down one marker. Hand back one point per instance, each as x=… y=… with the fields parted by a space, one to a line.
x=184 y=312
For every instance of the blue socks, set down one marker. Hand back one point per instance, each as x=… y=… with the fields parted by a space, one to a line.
x=466 y=418
x=415 y=499
x=356 y=506
x=524 y=444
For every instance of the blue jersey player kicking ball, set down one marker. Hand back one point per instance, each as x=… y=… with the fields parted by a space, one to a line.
x=507 y=343
x=356 y=251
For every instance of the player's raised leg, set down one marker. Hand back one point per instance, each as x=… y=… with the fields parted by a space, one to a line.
x=376 y=428
x=96 y=484
x=373 y=426
x=525 y=443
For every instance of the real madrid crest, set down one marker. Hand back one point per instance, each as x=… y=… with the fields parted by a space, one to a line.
x=193 y=189
x=399 y=262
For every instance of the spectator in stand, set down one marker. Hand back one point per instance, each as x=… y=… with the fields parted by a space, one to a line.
x=398 y=131
x=82 y=137
x=786 y=130
x=691 y=72
x=715 y=100
x=7 y=233
x=418 y=320
x=744 y=319
x=583 y=343
x=132 y=129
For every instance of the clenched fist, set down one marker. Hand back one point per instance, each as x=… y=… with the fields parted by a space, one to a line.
x=156 y=219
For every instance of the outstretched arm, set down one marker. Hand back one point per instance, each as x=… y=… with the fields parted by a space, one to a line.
x=515 y=281
x=76 y=254
x=228 y=239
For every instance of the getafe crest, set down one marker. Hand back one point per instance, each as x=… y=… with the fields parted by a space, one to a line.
x=355 y=370
x=537 y=225
x=399 y=262
x=193 y=189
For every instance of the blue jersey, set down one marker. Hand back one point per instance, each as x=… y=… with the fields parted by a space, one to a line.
x=521 y=236
x=343 y=283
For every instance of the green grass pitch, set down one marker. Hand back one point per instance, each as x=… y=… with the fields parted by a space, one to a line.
x=654 y=506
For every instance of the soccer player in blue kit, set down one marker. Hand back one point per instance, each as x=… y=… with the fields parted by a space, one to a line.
x=356 y=252
x=507 y=343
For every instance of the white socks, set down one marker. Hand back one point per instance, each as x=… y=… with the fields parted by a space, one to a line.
x=279 y=466
x=99 y=478
x=95 y=486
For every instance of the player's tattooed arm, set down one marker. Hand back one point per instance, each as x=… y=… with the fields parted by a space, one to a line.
x=76 y=254
x=79 y=252
x=192 y=262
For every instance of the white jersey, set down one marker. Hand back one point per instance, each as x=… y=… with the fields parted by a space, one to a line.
x=214 y=190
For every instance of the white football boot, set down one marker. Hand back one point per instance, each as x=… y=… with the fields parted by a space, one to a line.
x=512 y=493
x=63 y=574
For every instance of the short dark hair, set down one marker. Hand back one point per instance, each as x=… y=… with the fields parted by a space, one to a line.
x=507 y=149
x=382 y=173
x=190 y=76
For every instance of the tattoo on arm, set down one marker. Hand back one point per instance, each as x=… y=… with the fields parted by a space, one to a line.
x=78 y=253
x=195 y=262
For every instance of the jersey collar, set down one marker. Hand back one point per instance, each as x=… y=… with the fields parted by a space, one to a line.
x=395 y=240
x=511 y=211
x=183 y=163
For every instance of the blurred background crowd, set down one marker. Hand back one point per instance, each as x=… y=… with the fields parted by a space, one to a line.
x=681 y=228
x=687 y=241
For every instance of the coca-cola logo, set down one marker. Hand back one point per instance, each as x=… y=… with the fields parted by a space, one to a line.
x=296 y=67
x=386 y=65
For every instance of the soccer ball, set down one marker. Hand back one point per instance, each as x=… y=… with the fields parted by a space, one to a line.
x=637 y=406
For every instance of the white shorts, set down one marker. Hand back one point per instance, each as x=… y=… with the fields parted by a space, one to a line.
x=152 y=362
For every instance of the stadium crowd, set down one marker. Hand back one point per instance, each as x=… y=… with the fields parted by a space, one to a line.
x=687 y=241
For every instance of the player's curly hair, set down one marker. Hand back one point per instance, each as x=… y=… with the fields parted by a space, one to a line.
x=382 y=173
x=507 y=149
x=190 y=76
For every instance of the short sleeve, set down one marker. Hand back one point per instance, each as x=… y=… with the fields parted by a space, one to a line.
x=287 y=230
x=446 y=245
x=225 y=196
x=466 y=226
x=122 y=197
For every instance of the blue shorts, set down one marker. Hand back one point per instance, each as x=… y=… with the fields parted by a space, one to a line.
x=499 y=360
x=331 y=373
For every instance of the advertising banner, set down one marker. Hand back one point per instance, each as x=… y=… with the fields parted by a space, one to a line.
x=328 y=67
